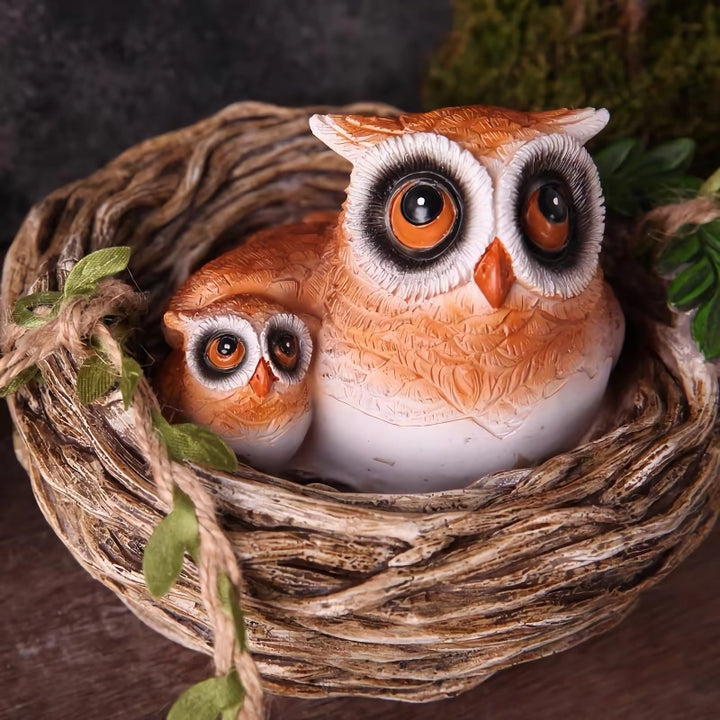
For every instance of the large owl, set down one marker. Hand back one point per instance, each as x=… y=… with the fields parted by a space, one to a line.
x=464 y=326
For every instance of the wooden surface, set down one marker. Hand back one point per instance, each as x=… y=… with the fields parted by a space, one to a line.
x=69 y=649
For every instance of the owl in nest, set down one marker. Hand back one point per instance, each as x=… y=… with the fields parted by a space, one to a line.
x=239 y=367
x=459 y=317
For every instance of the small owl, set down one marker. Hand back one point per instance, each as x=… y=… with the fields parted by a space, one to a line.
x=239 y=367
x=463 y=323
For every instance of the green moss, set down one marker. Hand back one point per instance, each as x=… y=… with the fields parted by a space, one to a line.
x=661 y=81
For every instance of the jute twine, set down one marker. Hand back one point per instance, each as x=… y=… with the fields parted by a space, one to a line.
x=79 y=320
x=413 y=597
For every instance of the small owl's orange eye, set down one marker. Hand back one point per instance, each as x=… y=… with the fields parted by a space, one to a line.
x=422 y=214
x=545 y=218
x=224 y=352
x=284 y=350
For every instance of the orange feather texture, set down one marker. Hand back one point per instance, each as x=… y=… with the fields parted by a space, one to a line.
x=403 y=344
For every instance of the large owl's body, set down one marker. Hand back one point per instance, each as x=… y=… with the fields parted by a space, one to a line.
x=447 y=344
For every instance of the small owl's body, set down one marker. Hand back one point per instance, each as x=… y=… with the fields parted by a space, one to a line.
x=462 y=322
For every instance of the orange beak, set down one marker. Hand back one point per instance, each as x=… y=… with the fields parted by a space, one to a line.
x=494 y=274
x=262 y=379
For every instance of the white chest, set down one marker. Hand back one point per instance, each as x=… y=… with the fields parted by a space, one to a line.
x=373 y=455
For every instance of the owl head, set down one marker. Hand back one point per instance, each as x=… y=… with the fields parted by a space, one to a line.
x=474 y=196
x=239 y=367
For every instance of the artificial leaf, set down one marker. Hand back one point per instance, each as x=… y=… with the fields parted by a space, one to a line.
x=712 y=185
x=209 y=698
x=231 y=606
x=186 y=524
x=20 y=380
x=165 y=549
x=692 y=284
x=163 y=557
x=95 y=377
x=672 y=155
x=634 y=178
x=84 y=276
x=23 y=310
x=190 y=442
x=232 y=712
x=706 y=327
x=129 y=378
x=679 y=250
x=670 y=188
x=710 y=234
x=609 y=159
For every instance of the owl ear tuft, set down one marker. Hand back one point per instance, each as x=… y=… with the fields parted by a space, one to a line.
x=174 y=328
x=586 y=123
x=351 y=135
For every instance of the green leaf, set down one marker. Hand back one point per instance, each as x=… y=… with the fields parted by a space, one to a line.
x=232 y=712
x=706 y=327
x=231 y=606
x=95 y=377
x=20 y=380
x=609 y=159
x=679 y=250
x=84 y=277
x=163 y=558
x=709 y=233
x=689 y=287
x=186 y=523
x=22 y=312
x=210 y=698
x=711 y=185
x=672 y=155
x=129 y=378
x=165 y=549
x=190 y=442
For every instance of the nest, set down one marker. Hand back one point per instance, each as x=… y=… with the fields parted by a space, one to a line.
x=413 y=597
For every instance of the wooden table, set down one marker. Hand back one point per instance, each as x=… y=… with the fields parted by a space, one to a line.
x=69 y=649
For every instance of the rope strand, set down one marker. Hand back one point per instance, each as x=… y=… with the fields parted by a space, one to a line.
x=77 y=321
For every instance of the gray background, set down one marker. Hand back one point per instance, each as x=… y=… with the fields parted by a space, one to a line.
x=81 y=80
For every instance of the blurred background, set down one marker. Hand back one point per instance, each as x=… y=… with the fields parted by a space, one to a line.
x=80 y=81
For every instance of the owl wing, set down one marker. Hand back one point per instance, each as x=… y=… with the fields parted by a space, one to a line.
x=276 y=263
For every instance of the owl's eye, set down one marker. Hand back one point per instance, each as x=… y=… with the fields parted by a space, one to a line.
x=550 y=215
x=422 y=213
x=224 y=352
x=545 y=219
x=284 y=349
x=419 y=214
x=287 y=346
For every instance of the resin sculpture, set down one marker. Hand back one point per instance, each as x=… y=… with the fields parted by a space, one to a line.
x=459 y=318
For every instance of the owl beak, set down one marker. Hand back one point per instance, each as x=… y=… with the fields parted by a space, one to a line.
x=494 y=274
x=262 y=379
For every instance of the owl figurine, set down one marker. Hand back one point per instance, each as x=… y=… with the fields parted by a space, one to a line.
x=239 y=367
x=463 y=325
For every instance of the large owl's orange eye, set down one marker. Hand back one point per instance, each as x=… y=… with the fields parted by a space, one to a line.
x=284 y=349
x=545 y=218
x=422 y=215
x=224 y=352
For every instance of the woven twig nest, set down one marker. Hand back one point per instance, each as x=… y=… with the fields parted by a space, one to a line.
x=415 y=597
